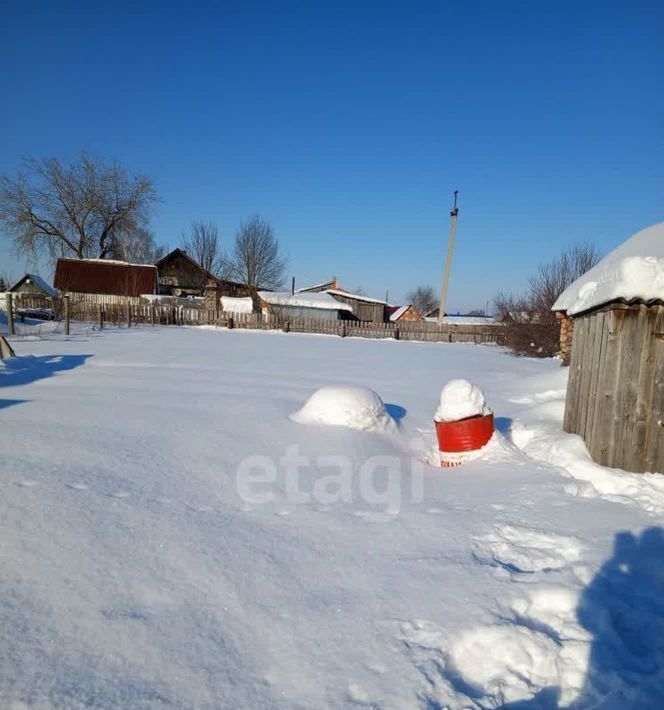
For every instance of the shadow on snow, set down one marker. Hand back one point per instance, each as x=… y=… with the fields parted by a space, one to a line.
x=17 y=371
x=623 y=609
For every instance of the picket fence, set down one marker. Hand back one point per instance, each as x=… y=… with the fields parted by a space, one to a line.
x=131 y=314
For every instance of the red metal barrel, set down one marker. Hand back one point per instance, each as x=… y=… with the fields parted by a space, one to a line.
x=466 y=434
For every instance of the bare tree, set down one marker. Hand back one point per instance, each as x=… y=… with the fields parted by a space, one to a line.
x=138 y=247
x=256 y=259
x=423 y=298
x=203 y=244
x=4 y=283
x=532 y=328
x=81 y=209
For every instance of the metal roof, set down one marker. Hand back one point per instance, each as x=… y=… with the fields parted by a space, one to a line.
x=114 y=278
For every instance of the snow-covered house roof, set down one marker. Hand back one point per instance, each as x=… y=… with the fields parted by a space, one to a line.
x=332 y=283
x=39 y=282
x=634 y=271
x=395 y=312
x=407 y=312
x=303 y=300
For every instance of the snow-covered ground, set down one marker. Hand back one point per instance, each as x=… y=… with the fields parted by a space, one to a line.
x=171 y=537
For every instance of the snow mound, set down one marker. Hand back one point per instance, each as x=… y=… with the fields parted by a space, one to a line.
x=460 y=399
x=346 y=405
x=634 y=270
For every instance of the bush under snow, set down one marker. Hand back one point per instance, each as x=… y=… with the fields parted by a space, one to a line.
x=346 y=405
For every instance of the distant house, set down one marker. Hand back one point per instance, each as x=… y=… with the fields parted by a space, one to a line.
x=104 y=280
x=313 y=305
x=34 y=285
x=180 y=275
x=461 y=319
x=402 y=313
x=615 y=392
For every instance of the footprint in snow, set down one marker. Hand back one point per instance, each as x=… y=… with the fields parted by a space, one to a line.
x=358 y=695
x=199 y=508
x=526 y=550
x=119 y=494
x=372 y=517
x=78 y=486
x=27 y=484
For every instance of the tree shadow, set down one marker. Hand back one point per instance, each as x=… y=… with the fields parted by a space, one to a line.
x=17 y=371
x=623 y=609
x=4 y=403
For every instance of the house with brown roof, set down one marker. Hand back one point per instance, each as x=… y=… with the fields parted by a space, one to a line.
x=180 y=275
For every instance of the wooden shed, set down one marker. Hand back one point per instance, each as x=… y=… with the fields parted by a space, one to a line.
x=104 y=280
x=615 y=394
x=311 y=305
x=363 y=308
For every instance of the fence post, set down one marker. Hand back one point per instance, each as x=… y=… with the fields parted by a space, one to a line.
x=396 y=334
x=128 y=315
x=152 y=315
x=66 y=300
x=343 y=329
x=10 y=314
x=100 y=316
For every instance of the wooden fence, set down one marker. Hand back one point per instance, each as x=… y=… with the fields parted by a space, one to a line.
x=132 y=313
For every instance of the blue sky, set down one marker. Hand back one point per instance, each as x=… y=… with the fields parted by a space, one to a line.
x=349 y=124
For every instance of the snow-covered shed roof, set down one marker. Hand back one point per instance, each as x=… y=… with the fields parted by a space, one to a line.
x=303 y=300
x=39 y=282
x=237 y=305
x=634 y=271
x=354 y=296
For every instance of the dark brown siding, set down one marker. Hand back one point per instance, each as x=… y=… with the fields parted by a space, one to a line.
x=105 y=277
x=180 y=275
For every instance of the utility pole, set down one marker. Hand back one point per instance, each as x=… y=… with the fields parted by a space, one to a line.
x=446 y=278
